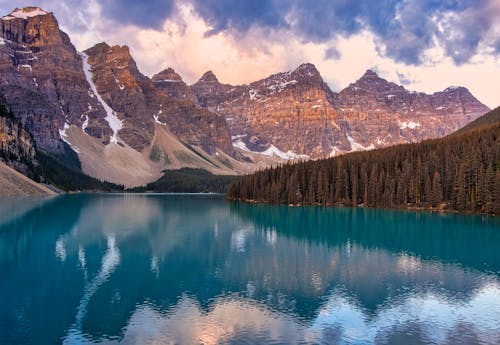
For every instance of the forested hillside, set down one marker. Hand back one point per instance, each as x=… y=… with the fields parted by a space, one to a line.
x=460 y=172
x=187 y=180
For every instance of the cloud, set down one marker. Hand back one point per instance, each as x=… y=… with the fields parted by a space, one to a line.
x=403 y=79
x=405 y=29
x=146 y=14
x=240 y=15
x=426 y=45
x=332 y=53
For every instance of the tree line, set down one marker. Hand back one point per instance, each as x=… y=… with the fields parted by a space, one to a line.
x=460 y=172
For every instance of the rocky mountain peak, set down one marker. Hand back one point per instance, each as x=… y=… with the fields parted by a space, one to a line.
x=101 y=47
x=209 y=90
x=208 y=77
x=307 y=69
x=25 y=13
x=456 y=89
x=118 y=59
x=370 y=74
x=167 y=75
x=172 y=85
x=110 y=53
x=306 y=75
x=34 y=27
x=41 y=77
x=370 y=77
x=372 y=83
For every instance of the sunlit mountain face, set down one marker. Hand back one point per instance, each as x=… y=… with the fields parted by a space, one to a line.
x=424 y=46
x=196 y=269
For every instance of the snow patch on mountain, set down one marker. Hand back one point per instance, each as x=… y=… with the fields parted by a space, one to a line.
x=238 y=143
x=358 y=147
x=408 y=124
x=157 y=116
x=335 y=151
x=114 y=122
x=281 y=85
x=274 y=151
x=85 y=123
x=253 y=94
x=270 y=151
x=64 y=137
x=118 y=82
x=157 y=120
x=25 y=13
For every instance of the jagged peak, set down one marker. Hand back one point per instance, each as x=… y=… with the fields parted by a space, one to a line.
x=369 y=74
x=455 y=88
x=99 y=46
x=104 y=48
x=208 y=76
x=167 y=75
x=121 y=48
x=307 y=68
x=25 y=13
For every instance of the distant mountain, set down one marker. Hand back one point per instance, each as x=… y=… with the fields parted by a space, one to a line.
x=380 y=113
x=96 y=114
x=287 y=114
x=295 y=114
x=460 y=172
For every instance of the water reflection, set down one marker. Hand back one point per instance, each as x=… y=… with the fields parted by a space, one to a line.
x=189 y=270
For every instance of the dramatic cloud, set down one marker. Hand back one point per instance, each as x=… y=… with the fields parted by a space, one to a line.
x=148 y=14
x=425 y=45
x=240 y=15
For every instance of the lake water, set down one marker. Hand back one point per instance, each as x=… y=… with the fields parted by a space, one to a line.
x=164 y=269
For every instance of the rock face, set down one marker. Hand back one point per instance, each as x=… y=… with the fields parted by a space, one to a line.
x=53 y=91
x=129 y=94
x=42 y=79
x=379 y=113
x=138 y=102
x=288 y=114
x=186 y=119
x=295 y=114
x=172 y=85
x=17 y=148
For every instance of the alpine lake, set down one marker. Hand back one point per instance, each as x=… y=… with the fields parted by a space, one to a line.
x=197 y=269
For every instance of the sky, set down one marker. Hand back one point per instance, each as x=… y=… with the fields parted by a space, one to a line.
x=425 y=45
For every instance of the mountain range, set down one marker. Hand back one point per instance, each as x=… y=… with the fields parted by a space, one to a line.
x=459 y=173
x=95 y=112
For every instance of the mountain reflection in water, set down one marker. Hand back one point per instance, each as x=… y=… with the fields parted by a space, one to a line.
x=144 y=269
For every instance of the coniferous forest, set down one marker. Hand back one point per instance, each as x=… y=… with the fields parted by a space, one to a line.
x=460 y=172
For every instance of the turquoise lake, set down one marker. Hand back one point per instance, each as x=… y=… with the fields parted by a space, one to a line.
x=197 y=269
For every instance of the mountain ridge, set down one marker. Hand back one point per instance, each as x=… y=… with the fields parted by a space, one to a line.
x=127 y=128
x=367 y=114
